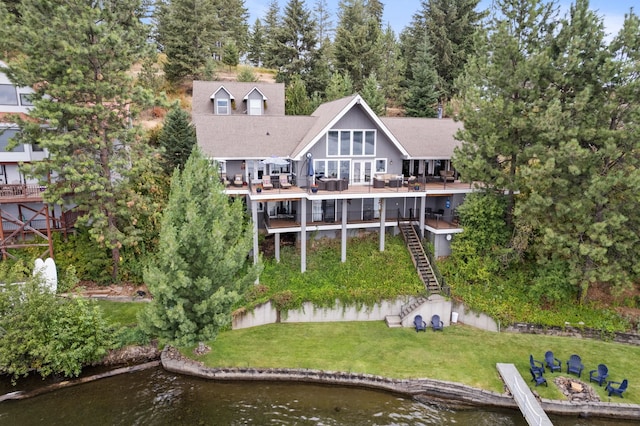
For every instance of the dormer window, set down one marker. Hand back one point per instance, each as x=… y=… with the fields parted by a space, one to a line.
x=256 y=102
x=222 y=106
x=222 y=101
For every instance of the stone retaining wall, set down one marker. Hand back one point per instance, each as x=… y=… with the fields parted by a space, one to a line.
x=422 y=389
x=571 y=331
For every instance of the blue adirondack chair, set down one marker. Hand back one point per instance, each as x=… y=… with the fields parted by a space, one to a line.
x=551 y=362
x=436 y=323
x=599 y=375
x=574 y=365
x=419 y=323
x=622 y=386
x=538 y=377
x=536 y=365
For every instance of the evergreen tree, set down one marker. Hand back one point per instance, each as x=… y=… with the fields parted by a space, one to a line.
x=187 y=32
x=449 y=26
x=422 y=95
x=356 y=47
x=272 y=24
x=178 y=137
x=247 y=75
x=322 y=16
x=297 y=101
x=391 y=67
x=339 y=87
x=257 y=44
x=586 y=173
x=296 y=43
x=230 y=54
x=498 y=91
x=80 y=70
x=201 y=267
x=551 y=114
x=372 y=95
x=234 y=23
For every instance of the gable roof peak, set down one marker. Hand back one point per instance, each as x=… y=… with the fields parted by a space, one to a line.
x=219 y=89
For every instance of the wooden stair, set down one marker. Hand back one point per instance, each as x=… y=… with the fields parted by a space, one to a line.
x=420 y=259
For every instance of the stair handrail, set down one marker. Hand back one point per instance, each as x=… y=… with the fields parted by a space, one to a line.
x=429 y=262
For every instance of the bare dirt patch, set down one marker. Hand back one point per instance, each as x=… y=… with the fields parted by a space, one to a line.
x=91 y=289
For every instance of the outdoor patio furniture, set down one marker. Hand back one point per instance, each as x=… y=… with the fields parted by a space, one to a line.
x=551 y=362
x=237 y=180
x=538 y=377
x=447 y=175
x=536 y=365
x=599 y=375
x=436 y=323
x=622 y=386
x=419 y=323
x=574 y=365
x=284 y=182
x=266 y=182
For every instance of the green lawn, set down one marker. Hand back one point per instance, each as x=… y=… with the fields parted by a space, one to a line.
x=120 y=313
x=460 y=354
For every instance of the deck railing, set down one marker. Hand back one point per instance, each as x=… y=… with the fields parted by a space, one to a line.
x=21 y=190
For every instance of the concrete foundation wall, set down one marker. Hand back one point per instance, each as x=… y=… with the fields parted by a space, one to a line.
x=267 y=314
x=474 y=319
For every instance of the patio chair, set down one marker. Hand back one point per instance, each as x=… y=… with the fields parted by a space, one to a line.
x=599 y=375
x=436 y=323
x=574 y=365
x=284 y=182
x=551 y=362
x=622 y=386
x=538 y=377
x=266 y=182
x=536 y=365
x=237 y=180
x=419 y=323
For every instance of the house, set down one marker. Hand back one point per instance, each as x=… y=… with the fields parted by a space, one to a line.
x=22 y=210
x=338 y=172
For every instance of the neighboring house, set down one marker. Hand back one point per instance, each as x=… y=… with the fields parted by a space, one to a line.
x=22 y=210
x=337 y=172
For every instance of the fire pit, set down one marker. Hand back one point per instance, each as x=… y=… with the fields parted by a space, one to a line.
x=576 y=390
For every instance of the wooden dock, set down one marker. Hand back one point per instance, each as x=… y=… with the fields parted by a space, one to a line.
x=529 y=405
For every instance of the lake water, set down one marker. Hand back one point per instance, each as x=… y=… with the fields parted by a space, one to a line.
x=157 y=397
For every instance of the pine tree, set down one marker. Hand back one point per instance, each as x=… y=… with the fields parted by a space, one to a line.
x=339 y=87
x=297 y=101
x=257 y=44
x=200 y=270
x=391 y=67
x=422 y=95
x=178 y=137
x=372 y=95
x=322 y=16
x=272 y=24
x=234 y=23
x=296 y=43
x=230 y=54
x=80 y=69
x=356 y=47
x=187 y=32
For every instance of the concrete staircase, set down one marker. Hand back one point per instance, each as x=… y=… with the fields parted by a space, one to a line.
x=420 y=259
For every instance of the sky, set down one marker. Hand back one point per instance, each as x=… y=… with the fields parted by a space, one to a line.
x=398 y=13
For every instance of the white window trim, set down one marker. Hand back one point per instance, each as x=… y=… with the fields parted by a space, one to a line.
x=351 y=154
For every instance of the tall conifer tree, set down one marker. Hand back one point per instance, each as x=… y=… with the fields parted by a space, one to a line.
x=79 y=64
x=200 y=270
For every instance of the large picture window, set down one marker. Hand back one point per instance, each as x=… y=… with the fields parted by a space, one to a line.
x=5 y=135
x=348 y=143
x=8 y=95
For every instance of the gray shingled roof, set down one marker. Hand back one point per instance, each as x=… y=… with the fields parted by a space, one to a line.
x=252 y=137
x=425 y=138
x=202 y=91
